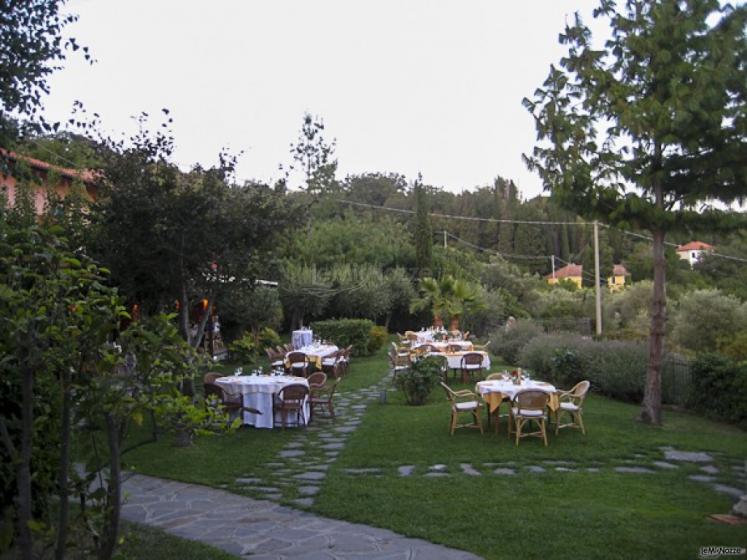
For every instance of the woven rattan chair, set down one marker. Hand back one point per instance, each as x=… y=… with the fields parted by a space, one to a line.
x=464 y=401
x=291 y=400
x=276 y=358
x=232 y=405
x=297 y=363
x=211 y=376
x=471 y=366
x=527 y=406
x=316 y=380
x=324 y=398
x=398 y=362
x=572 y=402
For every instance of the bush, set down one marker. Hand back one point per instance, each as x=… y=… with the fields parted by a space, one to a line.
x=614 y=368
x=244 y=349
x=507 y=343
x=719 y=388
x=376 y=338
x=705 y=316
x=346 y=332
x=418 y=382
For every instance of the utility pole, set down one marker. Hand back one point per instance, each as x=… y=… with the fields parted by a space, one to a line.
x=552 y=263
x=597 y=287
x=444 y=239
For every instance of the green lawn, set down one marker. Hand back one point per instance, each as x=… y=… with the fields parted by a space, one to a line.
x=547 y=515
x=140 y=541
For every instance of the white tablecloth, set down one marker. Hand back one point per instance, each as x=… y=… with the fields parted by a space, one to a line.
x=258 y=391
x=465 y=345
x=317 y=352
x=509 y=389
x=301 y=337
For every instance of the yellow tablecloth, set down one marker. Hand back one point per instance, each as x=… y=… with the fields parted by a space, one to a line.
x=493 y=392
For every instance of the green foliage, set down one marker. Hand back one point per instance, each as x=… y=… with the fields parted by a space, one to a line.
x=423 y=232
x=304 y=292
x=508 y=342
x=558 y=303
x=720 y=388
x=346 y=332
x=704 y=317
x=627 y=311
x=418 y=381
x=734 y=346
x=614 y=368
x=377 y=338
x=250 y=307
x=244 y=349
x=358 y=291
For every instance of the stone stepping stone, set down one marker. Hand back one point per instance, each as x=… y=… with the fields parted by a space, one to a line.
x=558 y=462
x=266 y=489
x=405 y=470
x=311 y=475
x=304 y=502
x=308 y=490
x=592 y=469
x=367 y=470
x=701 y=478
x=436 y=474
x=438 y=468
x=634 y=470
x=504 y=471
x=333 y=446
x=690 y=456
x=709 y=469
x=665 y=465
x=565 y=469
x=291 y=453
x=535 y=469
x=249 y=481
x=469 y=470
x=730 y=490
x=346 y=429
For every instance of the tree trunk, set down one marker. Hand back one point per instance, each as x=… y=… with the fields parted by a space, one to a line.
x=62 y=480
x=651 y=406
x=24 y=466
x=110 y=533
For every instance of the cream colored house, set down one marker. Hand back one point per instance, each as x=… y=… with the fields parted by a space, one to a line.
x=571 y=272
x=692 y=252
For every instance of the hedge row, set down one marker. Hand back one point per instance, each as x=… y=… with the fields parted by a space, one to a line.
x=719 y=388
x=614 y=368
x=365 y=337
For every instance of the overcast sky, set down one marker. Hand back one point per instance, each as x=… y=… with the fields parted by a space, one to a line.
x=404 y=86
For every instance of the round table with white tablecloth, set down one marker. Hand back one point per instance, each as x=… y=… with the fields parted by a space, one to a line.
x=506 y=389
x=302 y=337
x=258 y=391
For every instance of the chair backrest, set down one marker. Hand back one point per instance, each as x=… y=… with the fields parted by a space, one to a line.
x=211 y=376
x=531 y=399
x=317 y=379
x=579 y=391
x=494 y=376
x=471 y=359
x=296 y=357
x=455 y=348
x=295 y=393
x=449 y=393
x=465 y=336
x=210 y=389
x=411 y=335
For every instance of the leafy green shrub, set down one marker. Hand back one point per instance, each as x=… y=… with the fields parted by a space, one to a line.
x=268 y=337
x=346 y=332
x=244 y=349
x=719 y=388
x=614 y=368
x=704 y=316
x=508 y=342
x=418 y=382
x=734 y=346
x=376 y=338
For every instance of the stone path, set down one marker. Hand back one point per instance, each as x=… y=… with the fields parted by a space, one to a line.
x=296 y=474
x=264 y=530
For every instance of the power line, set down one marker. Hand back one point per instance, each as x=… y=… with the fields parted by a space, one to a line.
x=493 y=251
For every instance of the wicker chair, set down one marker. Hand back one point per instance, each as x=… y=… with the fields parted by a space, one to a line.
x=398 y=362
x=463 y=401
x=297 y=363
x=211 y=376
x=323 y=398
x=291 y=399
x=527 y=406
x=572 y=402
x=471 y=365
x=276 y=358
x=230 y=404
x=316 y=380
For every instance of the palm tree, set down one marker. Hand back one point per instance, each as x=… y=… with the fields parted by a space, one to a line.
x=431 y=297
x=448 y=295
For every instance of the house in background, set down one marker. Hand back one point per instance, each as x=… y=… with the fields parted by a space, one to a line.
x=572 y=272
x=692 y=252
x=618 y=279
x=44 y=177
